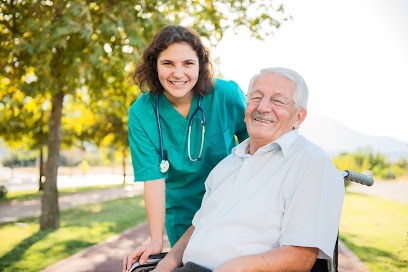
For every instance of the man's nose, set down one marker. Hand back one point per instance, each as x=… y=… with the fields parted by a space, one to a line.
x=264 y=105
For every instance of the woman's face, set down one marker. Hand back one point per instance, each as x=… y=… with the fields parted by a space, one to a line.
x=178 y=70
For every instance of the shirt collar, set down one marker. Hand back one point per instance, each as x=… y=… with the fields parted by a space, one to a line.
x=284 y=143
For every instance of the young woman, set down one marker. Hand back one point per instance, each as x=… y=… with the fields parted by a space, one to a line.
x=179 y=129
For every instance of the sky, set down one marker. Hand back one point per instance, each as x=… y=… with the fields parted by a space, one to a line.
x=353 y=55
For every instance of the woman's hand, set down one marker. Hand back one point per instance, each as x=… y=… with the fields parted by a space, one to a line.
x=141 y=254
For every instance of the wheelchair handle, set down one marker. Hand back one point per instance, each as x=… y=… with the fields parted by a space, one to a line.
x=357 y=177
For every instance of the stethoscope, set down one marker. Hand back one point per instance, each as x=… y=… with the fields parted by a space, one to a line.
x=164 y=162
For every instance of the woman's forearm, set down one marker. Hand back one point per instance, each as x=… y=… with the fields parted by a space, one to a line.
x=155 y=198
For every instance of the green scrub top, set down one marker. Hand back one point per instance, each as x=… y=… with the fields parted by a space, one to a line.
x=224 y=116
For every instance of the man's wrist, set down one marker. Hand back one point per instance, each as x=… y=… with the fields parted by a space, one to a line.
x=168 y=264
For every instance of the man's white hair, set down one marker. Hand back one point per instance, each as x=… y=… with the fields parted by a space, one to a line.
x=301 y=95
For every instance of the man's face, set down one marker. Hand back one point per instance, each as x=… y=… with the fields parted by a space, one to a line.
x=271 y=110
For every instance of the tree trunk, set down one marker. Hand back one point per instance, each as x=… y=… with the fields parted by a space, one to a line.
x=41 y=169
x=49 y=201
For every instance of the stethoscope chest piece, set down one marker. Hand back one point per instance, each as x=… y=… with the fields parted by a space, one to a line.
x=164 y=166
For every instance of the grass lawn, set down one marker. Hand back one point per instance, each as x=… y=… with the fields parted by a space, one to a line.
x=25 y=248
x=376 y=231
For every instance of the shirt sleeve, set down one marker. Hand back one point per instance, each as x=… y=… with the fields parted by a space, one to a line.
x=239 y=114
x=145 y=157
x=313 y=213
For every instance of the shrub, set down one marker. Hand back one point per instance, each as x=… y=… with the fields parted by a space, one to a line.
x=3 y=191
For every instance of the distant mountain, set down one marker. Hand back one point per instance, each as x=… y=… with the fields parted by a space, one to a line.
x=334 y=137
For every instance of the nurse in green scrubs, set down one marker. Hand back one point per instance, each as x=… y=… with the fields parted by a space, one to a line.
x=179 y=129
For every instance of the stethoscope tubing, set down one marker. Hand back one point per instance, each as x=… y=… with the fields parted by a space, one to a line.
x=190 y=123
x=159 y=128
x=164 y=163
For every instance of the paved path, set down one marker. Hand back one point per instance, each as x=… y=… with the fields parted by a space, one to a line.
x=393 y=190
x=107 y=256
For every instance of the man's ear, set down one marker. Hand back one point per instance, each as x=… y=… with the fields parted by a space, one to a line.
x=300 y=117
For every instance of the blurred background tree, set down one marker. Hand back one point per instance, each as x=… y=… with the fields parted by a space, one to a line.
x=368 y=162
x=64 y=66
x=23 y=122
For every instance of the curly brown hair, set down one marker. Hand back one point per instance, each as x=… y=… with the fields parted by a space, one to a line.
x=146 y=74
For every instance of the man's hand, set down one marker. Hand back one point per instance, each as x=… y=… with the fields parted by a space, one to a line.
x=141 y=254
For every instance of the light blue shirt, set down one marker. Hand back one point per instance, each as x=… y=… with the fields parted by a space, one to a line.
x=287 y=193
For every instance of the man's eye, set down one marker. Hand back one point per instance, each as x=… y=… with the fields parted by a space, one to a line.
x=256 y=98
x=278 y=102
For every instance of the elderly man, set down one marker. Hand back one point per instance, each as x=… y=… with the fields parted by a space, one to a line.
x=275 y=203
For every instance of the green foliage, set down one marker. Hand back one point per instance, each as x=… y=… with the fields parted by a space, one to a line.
x=3 y=191
x=20 y=159
x=370 y=163
x=80 y=43
x=398 y=170
x=23 y=118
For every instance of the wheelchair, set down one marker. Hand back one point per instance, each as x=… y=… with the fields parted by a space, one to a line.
x=321 y=265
